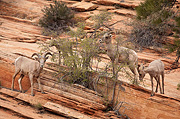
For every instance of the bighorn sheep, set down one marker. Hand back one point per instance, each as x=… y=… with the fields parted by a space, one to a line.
x=32 y=68
x=155 y=69
x=121 y=54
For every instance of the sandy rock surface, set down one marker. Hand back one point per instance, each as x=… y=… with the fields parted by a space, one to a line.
x=19 y=34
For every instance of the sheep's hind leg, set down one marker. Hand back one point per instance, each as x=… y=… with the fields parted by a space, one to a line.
x=39 y=83
x=152 y=92
x=32 y=83
x=157 y=84
x=19 y=81
x=162 y=83
x=14 y=76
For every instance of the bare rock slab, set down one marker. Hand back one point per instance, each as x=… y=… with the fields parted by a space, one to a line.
x=84 y=6
x=65 y=111
x=125 y=12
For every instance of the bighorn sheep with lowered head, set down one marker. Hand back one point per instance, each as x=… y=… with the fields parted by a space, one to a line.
x=155 y=69
x=32 y=68
x=119 y=54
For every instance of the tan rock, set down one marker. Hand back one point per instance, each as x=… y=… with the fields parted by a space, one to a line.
x=125 y=12
x=82 y=15
x=127 y=4
x=83 y=6
x=107 y=2
x=87 y=28
x=102 y=8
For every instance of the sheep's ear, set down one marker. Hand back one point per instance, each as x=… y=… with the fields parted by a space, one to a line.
x=37 y=59
x=141 y=67
x=47 y=57
x=110 y=35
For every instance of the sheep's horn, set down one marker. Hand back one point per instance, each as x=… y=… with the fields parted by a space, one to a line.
x=48 y=53
x=35 y=54
x=111 y=32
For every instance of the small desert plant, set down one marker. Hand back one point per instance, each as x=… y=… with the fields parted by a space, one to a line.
x=178 y=86
x=38 y=106
x=57 y=18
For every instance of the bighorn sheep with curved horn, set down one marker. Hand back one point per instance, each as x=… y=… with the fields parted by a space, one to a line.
x=32 y=68
x=119 y=54
x=155 y=69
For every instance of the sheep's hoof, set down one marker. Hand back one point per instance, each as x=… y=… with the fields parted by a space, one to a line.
x=43 y=92
x=152 y=95
x=22 y=91
x=32 y=94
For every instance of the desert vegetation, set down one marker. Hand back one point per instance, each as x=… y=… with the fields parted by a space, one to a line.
x=96 y=48
x=80 y=52
x=57 y=18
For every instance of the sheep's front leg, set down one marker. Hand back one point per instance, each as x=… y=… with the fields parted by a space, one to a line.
x=152 y=92
x=39 y=83
x=19 y=81
x=32 y=83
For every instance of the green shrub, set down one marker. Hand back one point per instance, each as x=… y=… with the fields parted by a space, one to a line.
x=152 y=23
x=57 y=18
x=38 y=106
x=152 y=6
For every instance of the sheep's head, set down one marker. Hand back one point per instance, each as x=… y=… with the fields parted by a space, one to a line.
x=106 y=38
x=41 y=59
x=141 y=72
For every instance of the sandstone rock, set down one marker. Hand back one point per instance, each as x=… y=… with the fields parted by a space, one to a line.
x=83 y=6
x=65 y=111
x=26 y=40
x=87 y=28
x=82 y=15
x=102 y=8
x=125 y=4
x=107 y=2
x=88 y=0
x=125 y=12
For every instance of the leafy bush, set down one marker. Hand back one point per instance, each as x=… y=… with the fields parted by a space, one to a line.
x=153 y=23
x=152 y=6
x=57 y=18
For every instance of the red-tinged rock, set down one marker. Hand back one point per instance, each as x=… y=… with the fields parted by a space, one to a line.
x=84 y=6
x=125 y=12
x=66 y=111
x=83 y=15
x=102 y=8
x=87 y=28
x=107 y=2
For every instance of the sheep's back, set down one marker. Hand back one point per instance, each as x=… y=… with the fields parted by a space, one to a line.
x=26 y=65
x=158 y=65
